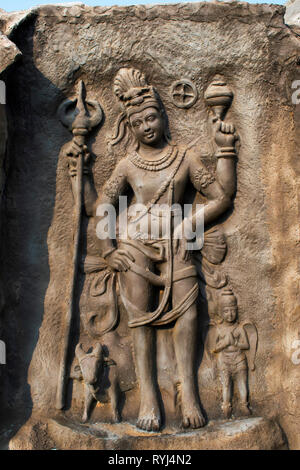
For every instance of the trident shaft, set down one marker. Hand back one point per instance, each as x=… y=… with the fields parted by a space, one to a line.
x=76 y=116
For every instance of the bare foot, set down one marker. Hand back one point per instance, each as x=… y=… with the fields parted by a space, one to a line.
x=245 y=410
x=149 y=418
x=227 y=410
x=192 y=416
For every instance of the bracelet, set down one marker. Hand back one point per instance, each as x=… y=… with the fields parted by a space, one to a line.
x=226 y=152
x=226 y=149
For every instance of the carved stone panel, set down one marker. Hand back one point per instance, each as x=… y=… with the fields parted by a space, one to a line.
x=151 y=334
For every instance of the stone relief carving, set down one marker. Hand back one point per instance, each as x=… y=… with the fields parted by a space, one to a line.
x=157 y=278
x=94 y=369
x=58 y=46
x=184 y=93
x=234 y=344
x=80 y=122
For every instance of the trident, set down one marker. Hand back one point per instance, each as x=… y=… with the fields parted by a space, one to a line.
x=77 y=118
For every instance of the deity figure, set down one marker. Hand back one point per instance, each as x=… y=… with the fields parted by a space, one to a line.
x=230 y=341
x=157 y=277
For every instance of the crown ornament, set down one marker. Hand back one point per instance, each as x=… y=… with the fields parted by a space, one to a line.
x=133 y=91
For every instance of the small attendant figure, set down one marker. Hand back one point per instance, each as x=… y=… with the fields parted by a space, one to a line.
x=235 y=346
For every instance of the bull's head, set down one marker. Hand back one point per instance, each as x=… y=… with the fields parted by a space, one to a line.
x=91 y=364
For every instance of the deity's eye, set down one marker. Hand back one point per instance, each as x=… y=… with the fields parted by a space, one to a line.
x=136 y=123
x=151 y=117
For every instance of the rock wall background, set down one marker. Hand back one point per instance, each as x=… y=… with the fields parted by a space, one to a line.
x=259 y=56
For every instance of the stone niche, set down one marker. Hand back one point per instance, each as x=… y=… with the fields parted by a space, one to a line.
x=180 y=49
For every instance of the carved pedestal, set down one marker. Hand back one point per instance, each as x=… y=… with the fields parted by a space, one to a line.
x=241 y=434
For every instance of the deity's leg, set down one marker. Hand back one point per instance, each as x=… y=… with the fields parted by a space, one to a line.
x=149 y=414
x=139 y=292
x=185 y=343
x=185 y=335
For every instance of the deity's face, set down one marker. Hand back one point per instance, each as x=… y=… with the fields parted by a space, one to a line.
x=147 y=126
x=229 y=313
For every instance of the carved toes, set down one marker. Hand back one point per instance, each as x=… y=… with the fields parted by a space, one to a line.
x=149 y=424
x=193 y=419
x=245 y=410
x=227 y=410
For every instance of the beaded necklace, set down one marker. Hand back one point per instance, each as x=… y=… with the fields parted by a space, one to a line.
x=164 y=187
x=153 y=165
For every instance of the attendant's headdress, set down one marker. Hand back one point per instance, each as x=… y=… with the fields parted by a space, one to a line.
x=228 y=298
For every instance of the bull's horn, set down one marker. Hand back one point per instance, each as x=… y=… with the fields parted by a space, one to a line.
x=79 y=351
x=97 y=350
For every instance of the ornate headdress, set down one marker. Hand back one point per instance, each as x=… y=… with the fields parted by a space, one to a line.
x=227 y=297
x=134 y=94
x=133 y=91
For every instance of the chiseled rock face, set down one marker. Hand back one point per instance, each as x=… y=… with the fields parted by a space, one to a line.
x=292 y=14
x=259 y=57
x=9 y=52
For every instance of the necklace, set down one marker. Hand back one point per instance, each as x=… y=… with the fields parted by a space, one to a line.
x=155 y=165
x=164 y=187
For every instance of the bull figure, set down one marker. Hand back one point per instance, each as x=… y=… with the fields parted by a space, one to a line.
x=92 y=372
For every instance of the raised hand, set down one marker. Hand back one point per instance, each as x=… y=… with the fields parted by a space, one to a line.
x=72 y=151
x=225 y=136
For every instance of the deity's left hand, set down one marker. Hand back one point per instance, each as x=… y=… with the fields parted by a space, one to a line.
x=225 y=135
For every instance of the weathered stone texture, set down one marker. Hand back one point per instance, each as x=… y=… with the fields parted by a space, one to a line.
x=9 y=52
x=259 y=57
x=245 y=434
x=292 y=14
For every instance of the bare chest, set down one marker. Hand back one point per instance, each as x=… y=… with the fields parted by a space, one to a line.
x=147 y=183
